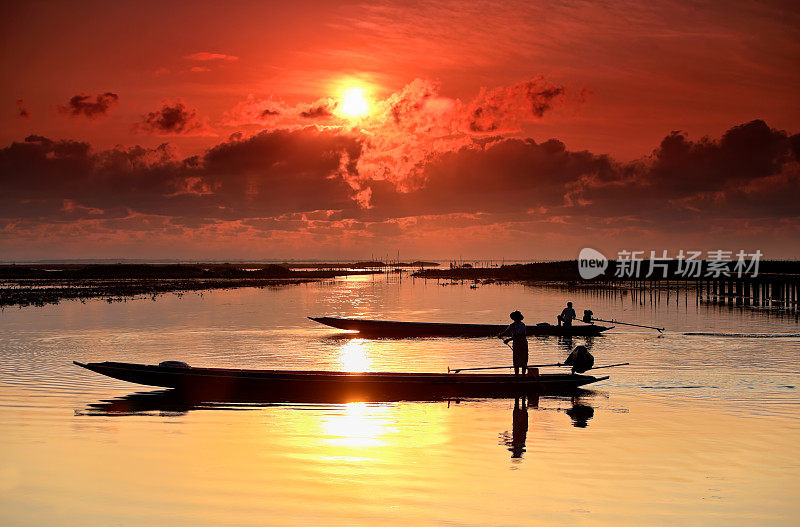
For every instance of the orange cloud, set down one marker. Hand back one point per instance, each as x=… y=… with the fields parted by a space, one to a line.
x=205 y=56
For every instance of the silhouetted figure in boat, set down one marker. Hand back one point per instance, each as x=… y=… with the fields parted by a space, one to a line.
x=567 y=316
x=580 y=414
x=580 y=359
x=519 y=339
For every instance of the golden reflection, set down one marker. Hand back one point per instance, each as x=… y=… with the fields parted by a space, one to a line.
x=358 y=425
x=354 y=356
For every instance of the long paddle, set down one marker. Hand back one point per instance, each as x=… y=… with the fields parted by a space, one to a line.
x=457 y=370
x=612 y=321
x=609 y=366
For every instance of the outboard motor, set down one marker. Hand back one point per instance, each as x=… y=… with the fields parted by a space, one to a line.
x=587 y=316
x=580 y=359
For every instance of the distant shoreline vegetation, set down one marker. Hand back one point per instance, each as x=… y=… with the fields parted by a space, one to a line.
x=567 y=271
x=39 y=284
x=42 y=284
x=775 y=285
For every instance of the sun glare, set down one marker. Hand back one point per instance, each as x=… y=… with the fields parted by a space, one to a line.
x=354 y=356
x=354 y=103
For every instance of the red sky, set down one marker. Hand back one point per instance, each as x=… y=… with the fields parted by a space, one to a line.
x=494 y=129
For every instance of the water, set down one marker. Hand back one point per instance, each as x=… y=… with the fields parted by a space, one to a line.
x=699 y=430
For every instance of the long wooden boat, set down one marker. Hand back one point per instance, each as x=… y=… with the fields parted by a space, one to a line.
x=223 y=383
x=391 y=328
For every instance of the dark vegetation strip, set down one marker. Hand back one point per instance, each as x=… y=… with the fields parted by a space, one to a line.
x=38 y=285
x=567 y=271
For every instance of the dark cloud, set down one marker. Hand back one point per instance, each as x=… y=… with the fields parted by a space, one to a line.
x=508 y=175
x=307 y=181
x=267 y=175
x=266 y=114
x=317 y=111
x=704 y=177
x=281 y=171
x=744 y=152
x=83 y=105
x=22 y=110
x=751 y=171
x=173 y=119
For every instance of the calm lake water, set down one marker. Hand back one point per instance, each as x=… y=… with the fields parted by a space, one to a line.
x=699 y=430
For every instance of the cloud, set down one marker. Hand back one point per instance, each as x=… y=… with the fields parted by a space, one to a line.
x=83 y=105
x=507 y=107
x=416 y=124
x=507 y=176
x=254 y=111
x=204 y=56
x=752 y=172
x=267 y=175
x=406 y=130
x=319 y=110
x=22 y=110
x=304 y=188
x=173 y=118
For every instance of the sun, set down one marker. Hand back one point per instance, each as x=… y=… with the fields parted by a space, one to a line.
x=354 y=103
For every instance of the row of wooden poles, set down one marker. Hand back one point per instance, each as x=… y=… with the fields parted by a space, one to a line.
x=777 y=291
x=771 y=292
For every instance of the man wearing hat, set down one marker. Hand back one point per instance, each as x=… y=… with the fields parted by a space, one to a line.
x=519 y=339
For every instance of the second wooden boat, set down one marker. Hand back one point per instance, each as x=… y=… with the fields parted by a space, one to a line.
x=392 y=328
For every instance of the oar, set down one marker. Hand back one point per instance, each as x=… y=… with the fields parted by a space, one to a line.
x=456 y=370
x=612 y=321
x=610 y=366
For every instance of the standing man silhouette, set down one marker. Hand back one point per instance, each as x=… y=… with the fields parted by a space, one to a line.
x=519 y=338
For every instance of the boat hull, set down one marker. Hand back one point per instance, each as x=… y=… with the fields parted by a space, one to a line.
x=391 y=328
x=225 y=384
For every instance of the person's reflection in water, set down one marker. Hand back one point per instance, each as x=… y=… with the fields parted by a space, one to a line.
x=580 y=413
x=519 y=428
x=515 y=442
x=565 y=342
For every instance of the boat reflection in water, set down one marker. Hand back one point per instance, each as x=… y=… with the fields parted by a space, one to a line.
x=580 y=413
x=567 y=343
x=351 y=423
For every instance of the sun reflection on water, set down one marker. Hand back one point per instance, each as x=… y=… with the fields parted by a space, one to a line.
x=358 y=425
x=354 y=356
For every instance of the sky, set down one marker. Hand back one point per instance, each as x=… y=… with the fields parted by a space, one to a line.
x=330 y=130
